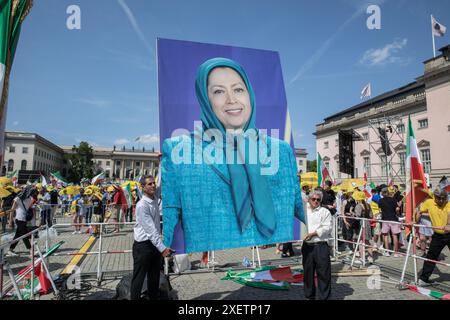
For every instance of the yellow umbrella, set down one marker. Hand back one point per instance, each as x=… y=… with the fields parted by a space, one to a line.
x=92 y=187
x=336 y=188
x=4 y=181
x=12 y=189
x=310 y=179
x=351 y=184
x=4 y=193
x=133 y=184
x=110 y=189
x=72 y=190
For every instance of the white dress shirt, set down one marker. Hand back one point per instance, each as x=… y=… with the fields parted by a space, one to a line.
x=148 y=223
x=319 y=220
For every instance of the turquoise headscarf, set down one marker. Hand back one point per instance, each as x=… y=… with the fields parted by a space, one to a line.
x=250 y=190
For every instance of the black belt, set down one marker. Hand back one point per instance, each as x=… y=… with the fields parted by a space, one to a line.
x=316 y=243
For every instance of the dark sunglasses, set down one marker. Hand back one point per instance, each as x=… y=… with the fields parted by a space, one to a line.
x=315 y=199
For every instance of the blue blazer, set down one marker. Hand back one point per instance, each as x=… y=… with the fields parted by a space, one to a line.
x=199 y=197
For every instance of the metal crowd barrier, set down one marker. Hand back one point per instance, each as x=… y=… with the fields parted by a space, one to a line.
x=361 y=241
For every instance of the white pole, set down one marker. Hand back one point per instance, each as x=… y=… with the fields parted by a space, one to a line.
x=432 y=35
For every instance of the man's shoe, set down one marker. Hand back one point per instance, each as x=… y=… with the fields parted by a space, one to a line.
x=423 y=283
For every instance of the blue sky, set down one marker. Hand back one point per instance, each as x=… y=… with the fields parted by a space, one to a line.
x=99 y=84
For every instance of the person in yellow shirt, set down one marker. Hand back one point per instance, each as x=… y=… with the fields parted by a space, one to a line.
x=439 y=212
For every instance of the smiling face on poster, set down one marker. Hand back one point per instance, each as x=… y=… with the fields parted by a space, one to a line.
x=227 y=183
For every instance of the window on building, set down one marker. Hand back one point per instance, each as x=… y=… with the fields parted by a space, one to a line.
x=12 y=149
x=107 y=173
x=35 y=151
x=23 y=165
x=401 y=128
x=300 y=163
x=138 y=164
x=10 y=165
x=423 y=123
x=34 y=165
x=326 y=145
x=108 y=163
x=426 y=160
x=365 y=136
x=118 y=163
x=25 y=150
x=99 y=162
x=336 y=143
x=402 y=157
x=367 y=166
x=137 y=172
x=128 y=163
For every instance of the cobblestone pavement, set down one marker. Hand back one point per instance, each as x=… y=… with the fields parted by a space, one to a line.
x=204 y=284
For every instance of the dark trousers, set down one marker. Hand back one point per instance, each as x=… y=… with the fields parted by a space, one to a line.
x=348 y=232
x=88 y=215
x=129 y=215
x=20 y=231
x=4 y=223
x=438 y=243
x=288 y=248
x=316 y=259
x=46 y=217
x=146 y=262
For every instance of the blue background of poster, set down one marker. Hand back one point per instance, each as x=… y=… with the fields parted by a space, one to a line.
x=178 y=62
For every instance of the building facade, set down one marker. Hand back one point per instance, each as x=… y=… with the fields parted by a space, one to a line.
x=426 y=101
x=29 y=152
x=301 y=159
x=123 y=164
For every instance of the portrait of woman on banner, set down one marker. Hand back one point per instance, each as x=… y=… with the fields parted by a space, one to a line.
x=228 y=183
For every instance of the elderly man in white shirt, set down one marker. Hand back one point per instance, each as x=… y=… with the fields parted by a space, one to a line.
x=148 y=248
x=316 y=257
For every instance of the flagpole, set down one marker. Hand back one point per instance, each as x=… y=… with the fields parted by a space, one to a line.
x=432 y=35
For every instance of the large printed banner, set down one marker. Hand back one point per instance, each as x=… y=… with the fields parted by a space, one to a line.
x=199 y=206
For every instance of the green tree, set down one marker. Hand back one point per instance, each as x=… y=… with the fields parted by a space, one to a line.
x=311 y=166
x=80 y=161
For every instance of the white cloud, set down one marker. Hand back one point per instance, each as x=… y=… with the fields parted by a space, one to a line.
x=100 y=103
x=385 y=55
x=135 y=60
x=148 y=139
x=121 y=141
x=135 y=25
x=315 y=58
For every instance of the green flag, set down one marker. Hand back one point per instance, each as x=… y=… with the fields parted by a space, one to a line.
x=12 y=14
